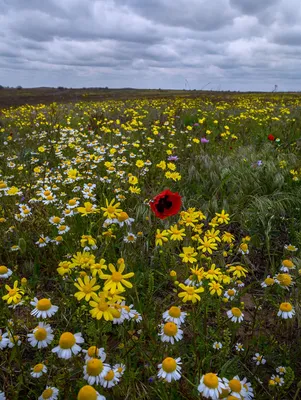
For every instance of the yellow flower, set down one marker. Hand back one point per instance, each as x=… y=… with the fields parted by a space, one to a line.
x=139 y=163
x=86 y=288
x=98 y=267
x=111 y=210
x=161 y=237
x=213 y=234
x=238 y=271
x=197 y=274
x=188 y=255
x=88 y=208
x=227 y=237
x=65 y=267
x=215 y=287
x=83 y=260
x=14 y=294
x=176 y=234
x=223 y=218
x=115 y=281
x=207 y=245
x=213 y=272
x=101 y=308
x=133 y=180
x=135 y=189
x=190 y=293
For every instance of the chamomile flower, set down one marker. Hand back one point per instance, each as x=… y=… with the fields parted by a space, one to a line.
x=95 y=370
x=42 y=336
x=281 y=370
x=170 y=369
x=43 y=308
x=130 y=238
x=89 y=393
x=286 y=266
x=14 y=341
x=284 y=280
x=258 y=359
x=267 y=282
x=170 y=332
x=137 y=316
x=291 y=248
x=211 y=386
x=38 y=370
x=217 y=345
x=235 y=315
x=5 y=272
x=230 y=294
x=56 y=220
x=286 y=310
x=50 y=393
x=120 y=368
x=236 y=387
x=239 y=347
x=175 y=314
x=278 y=380
x=4 y=340
x=95 y=352
x=63 y=229
x=110 y=379
x=248 y=388
x=68 y=345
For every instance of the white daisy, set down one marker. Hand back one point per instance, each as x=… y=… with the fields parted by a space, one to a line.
x=217 y=345
x=56 y=220
x=211 y=386
x=50 y=393
x=42 y=242
x=110 y=379
x=170 y=332
x=281 y=370
x=174 y=314
x=14 y=341
x=249 y=390
x=68 y=345
x=287 y=265
x=269 y=281
x=63 y=229
x=88 y=392
x=95 y=352
x=4 y=340
x=277 y=379
x=120 y=368
x=235 y=315
x=130 y=238
x=239 y=347
x=137 y=317
x=43 y=308
x=230 y=294
x=236 y=386
x=259 y=359
x=5 y=272
x=38 y=370
x=170 y=369
x=95 y=370
x=42 y=336
x=286 y=310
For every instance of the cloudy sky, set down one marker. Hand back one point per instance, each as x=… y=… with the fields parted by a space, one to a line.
x=220 y=44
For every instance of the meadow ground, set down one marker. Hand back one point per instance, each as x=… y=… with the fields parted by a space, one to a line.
x=150 y=247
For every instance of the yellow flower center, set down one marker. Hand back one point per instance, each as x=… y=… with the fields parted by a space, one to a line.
x=277 y=379
x=49 y=197
x=111 y=210
x=38 y=368
x=103 y=306
x=47 y=393
x=43 y=305
x=190 y=290
x=26 y=211
x=67 y=340
x=110 y=376
x=211 y=380
x=269 y=281
x=47 y=193
x=123 y=216
x=12 y=292
x=92 y=351
x=94 y=367
x=56 y=220
x=174 y=312
x=72 y=202
x=62 y=227
x=169 y=364
x=40 y=333
x=287 y=263
x=117 y=276
x=115 y=313
x=236 y=312
x=3 y=270
x=287 y=307
x=87 y=393
x=284 y=279
x=170 y=329
x=231 y=292
x=235 y=385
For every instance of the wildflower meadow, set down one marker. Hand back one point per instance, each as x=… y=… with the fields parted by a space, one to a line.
x=150 y=249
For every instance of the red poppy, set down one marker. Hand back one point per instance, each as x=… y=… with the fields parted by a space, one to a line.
x=271 y=138
x=166 y=204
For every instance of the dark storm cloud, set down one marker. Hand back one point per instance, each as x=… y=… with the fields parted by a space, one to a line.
x=234 y=44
